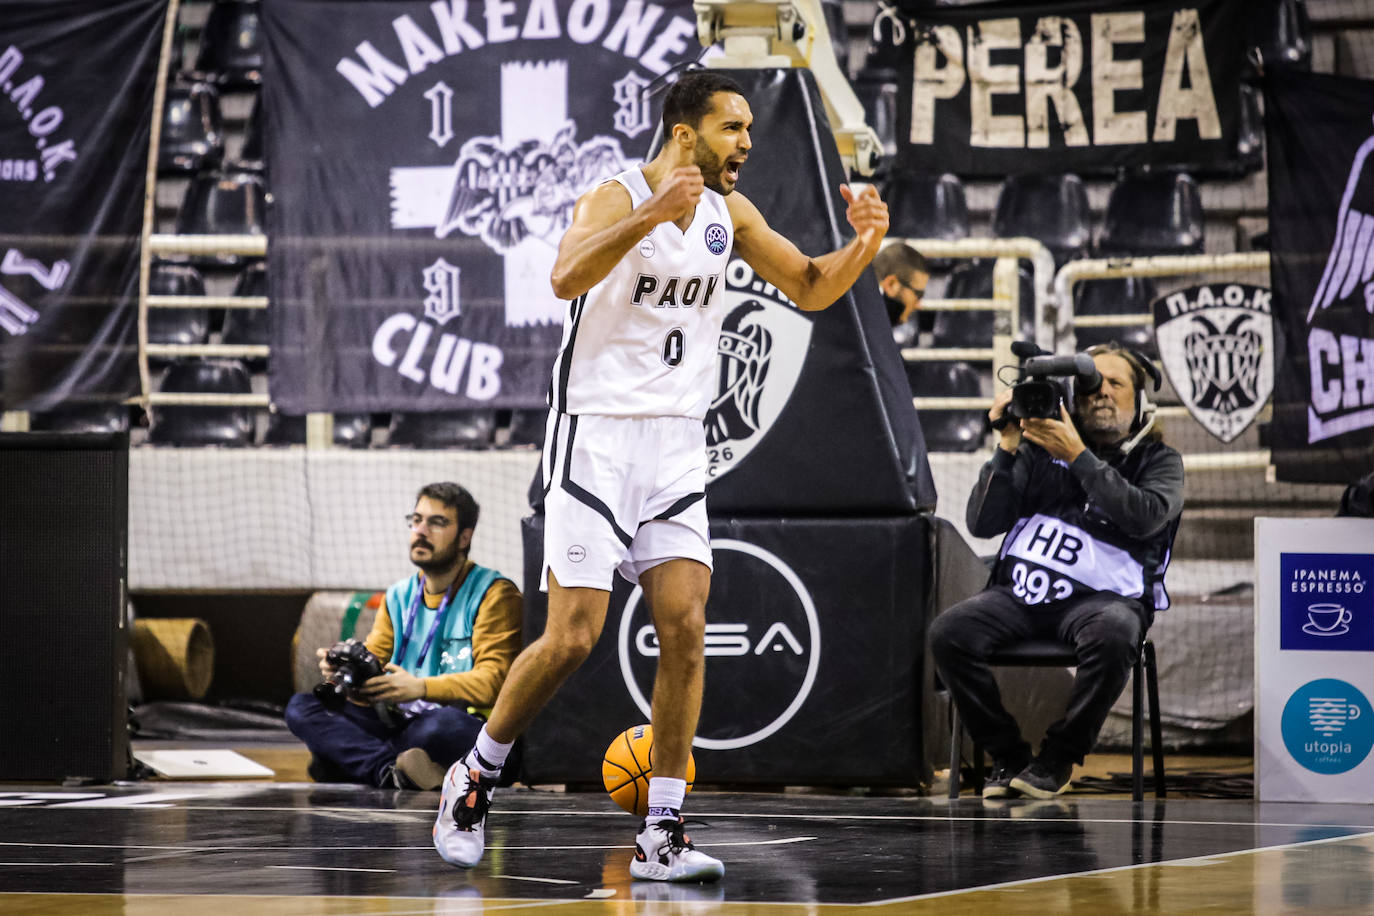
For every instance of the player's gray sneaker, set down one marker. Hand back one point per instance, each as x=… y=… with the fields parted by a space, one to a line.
x=459 y=828
x=663 y=852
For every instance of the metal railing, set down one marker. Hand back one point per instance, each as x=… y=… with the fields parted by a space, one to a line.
x=247 y=245
x=1005 y=305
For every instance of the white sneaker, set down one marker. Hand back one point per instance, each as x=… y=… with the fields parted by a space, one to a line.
x=460 y=826
x=664 y=853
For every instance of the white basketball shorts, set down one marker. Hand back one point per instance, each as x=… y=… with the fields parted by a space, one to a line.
x=622 y=493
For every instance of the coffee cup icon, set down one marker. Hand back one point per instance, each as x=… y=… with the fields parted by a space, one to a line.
x=1330 y=715
x=1327 y=620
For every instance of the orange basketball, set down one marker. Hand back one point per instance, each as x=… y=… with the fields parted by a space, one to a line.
x=628 y=765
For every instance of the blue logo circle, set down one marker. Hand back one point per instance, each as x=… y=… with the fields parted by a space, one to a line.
x=1328 y=726
x=716 y=238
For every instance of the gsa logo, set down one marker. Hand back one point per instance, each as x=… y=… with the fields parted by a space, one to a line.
x=1328 y=726
x=763 y=645
x=716 y=238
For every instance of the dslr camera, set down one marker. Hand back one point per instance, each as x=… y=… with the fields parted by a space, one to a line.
x=1040 y=390
x=353 y=666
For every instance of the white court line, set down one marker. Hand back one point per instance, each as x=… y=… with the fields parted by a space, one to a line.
x=55 y=864
x=778 y=842
x=501 y=812
x=541 y=880
x=385 y=871
x=425 y=904
x=1215 y=858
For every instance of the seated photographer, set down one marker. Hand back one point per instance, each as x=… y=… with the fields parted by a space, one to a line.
x=403 y=724
x=1090 y=503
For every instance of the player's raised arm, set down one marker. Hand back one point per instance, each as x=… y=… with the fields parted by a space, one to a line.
x=812 y=283
x=606 y=226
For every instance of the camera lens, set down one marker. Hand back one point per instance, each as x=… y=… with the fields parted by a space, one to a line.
x=1036 y=399
x=330 y=694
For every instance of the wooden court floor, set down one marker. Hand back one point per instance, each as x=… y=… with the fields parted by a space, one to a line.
x=214 y=849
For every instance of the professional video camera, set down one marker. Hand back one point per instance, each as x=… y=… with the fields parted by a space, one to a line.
x=1038 y=391
x=353 y=666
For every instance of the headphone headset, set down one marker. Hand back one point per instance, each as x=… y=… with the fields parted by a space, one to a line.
x=1143 y=370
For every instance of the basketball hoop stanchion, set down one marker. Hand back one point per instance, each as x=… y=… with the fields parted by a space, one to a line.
x=758 y=34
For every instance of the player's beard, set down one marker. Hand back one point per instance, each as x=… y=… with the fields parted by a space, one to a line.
x=712 y=168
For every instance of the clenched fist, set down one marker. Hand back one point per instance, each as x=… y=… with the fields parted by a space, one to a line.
x=867 y=213
x=678 y=194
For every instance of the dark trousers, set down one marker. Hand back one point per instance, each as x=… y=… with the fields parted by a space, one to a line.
x=362 y=748
x=1105 y=629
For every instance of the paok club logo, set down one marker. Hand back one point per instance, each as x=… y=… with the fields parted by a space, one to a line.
x=1217 y=344
x=504 y=195
x=763 y=344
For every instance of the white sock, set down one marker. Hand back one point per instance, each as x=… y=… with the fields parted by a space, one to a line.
x=665 y=797
x=489 y=755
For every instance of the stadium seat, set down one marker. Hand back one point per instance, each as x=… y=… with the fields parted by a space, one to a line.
x=973 y=280
x=251 y=327
x=1155 y=213
x=883 y=53
x=949 y=430
x=198 y=425
x=1286 y=38
x=82 y=418
x=1050 y=208
x=230 y=202
x=527 y=426
x=351 y=430
x=192 y=136
x=1048 y=653
x=877 y=93
x=181 y=325
x=471 y=429
x=1250 y=133
x=231 y=44
x=251 y=156
x=1122 y=296
x=926 y=206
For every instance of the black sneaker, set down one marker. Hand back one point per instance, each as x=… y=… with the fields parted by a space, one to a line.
x=321 y=769
x=1044 y=778
x=998 y=785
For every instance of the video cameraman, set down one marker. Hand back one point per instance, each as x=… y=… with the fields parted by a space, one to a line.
x=459 y=626
x=1090 y=503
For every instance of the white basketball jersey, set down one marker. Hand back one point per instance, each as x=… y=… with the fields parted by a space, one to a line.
x=642 y=342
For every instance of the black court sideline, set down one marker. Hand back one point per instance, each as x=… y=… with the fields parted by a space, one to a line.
x=294 y=848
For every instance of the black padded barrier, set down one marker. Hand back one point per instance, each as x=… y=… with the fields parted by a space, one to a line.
x=826 y=614
x=63 y=548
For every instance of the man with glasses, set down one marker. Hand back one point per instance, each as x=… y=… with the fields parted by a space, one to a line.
x=902 y=274
x=449 y=634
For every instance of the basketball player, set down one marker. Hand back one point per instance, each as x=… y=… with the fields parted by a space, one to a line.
x=643 y=265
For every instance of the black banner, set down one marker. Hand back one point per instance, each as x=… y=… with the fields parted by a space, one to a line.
x=1079 y=85
x=76 y=104
x=424 y=159
x=1321 y=220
